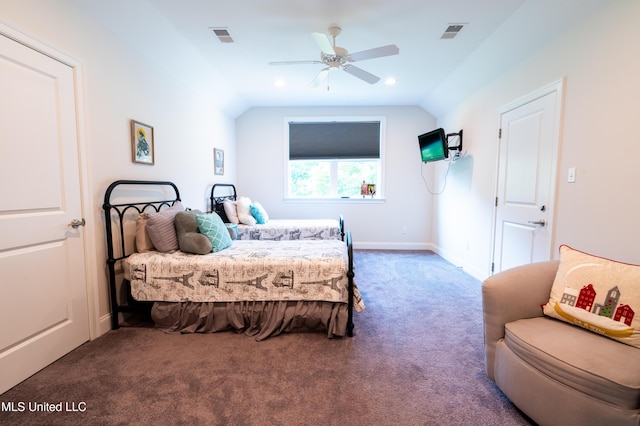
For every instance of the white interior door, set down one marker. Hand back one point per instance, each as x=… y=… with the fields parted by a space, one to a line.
x=43 y=293
x=526 y=180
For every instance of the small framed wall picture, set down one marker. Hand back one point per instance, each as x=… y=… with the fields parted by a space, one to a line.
x=142 y=148
x=218 y=161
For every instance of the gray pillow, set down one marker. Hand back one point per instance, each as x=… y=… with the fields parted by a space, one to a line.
x=190 y=239
x=161 y=229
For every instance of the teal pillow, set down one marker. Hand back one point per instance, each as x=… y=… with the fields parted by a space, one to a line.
x=212 y=227
x=259 y=213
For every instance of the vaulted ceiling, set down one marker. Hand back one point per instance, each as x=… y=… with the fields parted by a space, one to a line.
x=493 y=34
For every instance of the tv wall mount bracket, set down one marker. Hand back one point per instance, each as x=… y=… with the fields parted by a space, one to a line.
x=457 y=147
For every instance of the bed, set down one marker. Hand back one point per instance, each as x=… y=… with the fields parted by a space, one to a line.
x=258 y=287
x=275 y=229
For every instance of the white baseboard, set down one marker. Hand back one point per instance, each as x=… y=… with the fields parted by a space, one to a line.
x=104 y=324
x=470 y=269
x=392 y=246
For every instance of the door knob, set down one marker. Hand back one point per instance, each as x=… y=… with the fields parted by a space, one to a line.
x=540 y=222
x=77 y=222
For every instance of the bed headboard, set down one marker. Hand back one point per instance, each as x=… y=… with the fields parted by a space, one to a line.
x=121 y=217
x=221 y=192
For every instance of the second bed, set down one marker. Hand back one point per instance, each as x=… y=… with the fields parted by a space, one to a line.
x=275 y=229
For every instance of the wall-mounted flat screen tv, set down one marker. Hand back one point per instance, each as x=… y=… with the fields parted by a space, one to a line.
x=433 y=145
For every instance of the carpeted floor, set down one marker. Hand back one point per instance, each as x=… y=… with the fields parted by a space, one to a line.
x=416 y=359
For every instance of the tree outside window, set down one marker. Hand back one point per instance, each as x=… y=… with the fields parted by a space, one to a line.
x=332 y=159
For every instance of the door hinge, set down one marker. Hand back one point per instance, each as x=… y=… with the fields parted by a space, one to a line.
x=493 y=267
x=496 y=201
x=499 y=133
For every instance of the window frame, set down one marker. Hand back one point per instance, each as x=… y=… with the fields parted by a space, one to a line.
x=341 y=119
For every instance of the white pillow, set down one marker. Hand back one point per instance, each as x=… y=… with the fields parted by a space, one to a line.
x=243 y=206
x=230 y=209
x=598 y=294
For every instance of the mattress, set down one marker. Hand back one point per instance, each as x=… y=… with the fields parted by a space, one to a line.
x=314 y=270
x=292 y=229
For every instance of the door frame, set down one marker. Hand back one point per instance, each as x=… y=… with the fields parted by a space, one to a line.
x=89 y=230
x=556 y=86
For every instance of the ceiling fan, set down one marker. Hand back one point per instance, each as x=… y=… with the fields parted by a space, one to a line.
x=335 y=57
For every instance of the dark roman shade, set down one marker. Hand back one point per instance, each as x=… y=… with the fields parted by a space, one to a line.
x=334 y=140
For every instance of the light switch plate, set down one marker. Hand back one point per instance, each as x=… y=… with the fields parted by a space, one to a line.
x=571 y=176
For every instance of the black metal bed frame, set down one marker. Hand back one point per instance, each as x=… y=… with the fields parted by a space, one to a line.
x=120 y=210
x=216 y=203
x=112 y=258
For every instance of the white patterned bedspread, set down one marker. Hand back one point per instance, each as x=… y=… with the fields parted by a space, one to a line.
x=292 y=229
x=248 y=270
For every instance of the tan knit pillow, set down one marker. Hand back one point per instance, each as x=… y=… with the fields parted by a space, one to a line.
x=143 y=242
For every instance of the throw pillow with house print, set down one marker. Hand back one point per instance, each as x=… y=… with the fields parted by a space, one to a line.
x=598 y=294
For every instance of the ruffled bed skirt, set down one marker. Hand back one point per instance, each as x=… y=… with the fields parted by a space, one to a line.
x=261 y=319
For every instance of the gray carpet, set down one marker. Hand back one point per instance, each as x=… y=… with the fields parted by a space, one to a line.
x=416 y=359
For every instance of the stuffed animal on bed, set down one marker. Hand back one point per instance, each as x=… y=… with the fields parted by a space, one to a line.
x=190 y=239
x=243 y=207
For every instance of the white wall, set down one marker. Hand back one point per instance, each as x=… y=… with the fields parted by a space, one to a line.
x=175 y=91
x=597 y=213
x=261 y=165
x=121 y=84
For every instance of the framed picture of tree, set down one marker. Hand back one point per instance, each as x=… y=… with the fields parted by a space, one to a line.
x=142 y=147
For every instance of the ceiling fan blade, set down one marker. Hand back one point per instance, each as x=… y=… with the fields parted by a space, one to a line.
x=377 y=52
x=293 y=62
x=361 y=74
x=322 y=76
x=323 y=43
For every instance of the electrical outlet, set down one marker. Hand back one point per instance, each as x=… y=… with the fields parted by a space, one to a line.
x=404 y=230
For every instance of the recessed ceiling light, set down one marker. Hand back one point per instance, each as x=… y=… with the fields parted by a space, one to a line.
x=390 y=81
x=279 y=83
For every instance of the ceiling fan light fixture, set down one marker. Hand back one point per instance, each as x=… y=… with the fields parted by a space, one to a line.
x=335 y=57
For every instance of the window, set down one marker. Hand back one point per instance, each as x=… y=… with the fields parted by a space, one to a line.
x=332 y=159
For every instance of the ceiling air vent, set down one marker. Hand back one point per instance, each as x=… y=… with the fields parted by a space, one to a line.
x=222 y=34
x=452 y=31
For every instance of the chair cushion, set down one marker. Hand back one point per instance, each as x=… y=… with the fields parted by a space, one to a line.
x=592 y=364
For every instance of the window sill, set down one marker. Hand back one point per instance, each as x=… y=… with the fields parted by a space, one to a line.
x=367 y=200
